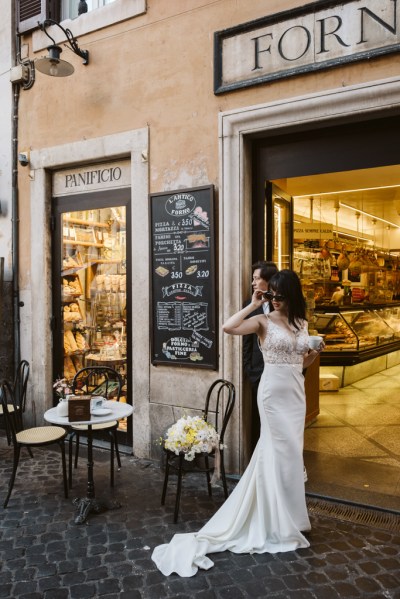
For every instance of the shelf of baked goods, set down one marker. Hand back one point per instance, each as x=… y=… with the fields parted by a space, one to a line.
x=85 y=223
x=71 y=287
x=75 y=242
x=72 y=312
x=75 y=342
x=77 y=267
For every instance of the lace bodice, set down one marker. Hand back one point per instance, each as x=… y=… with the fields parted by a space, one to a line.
x=283 y=347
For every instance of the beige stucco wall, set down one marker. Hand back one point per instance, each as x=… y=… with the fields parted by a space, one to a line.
x=155 y=72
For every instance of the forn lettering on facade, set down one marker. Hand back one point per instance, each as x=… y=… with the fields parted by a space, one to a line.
x=327 y=29
x=105 y=175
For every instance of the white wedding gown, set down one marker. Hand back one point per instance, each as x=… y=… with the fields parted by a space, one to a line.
x=266 y=511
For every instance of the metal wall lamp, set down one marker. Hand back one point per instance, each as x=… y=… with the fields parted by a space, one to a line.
x=52 y=64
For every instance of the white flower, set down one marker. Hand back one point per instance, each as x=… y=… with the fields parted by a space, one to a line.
x=191 y=435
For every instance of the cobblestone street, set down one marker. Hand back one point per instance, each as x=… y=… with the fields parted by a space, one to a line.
x=44 y=554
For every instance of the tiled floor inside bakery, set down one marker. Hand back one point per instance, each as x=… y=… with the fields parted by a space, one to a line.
x=352 y=450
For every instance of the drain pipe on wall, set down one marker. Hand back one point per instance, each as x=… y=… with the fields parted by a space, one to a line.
x=21 y=75
x=15 y=230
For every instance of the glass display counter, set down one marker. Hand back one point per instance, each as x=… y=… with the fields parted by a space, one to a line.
x=357 y=333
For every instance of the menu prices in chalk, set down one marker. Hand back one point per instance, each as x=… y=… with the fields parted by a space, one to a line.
x=183 y=278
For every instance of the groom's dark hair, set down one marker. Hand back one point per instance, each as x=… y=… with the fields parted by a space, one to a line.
x=267 y=269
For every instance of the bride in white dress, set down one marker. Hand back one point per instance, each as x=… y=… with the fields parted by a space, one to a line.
x=266 y=512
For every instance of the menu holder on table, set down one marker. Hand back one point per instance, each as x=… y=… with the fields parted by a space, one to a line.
x=79 y=408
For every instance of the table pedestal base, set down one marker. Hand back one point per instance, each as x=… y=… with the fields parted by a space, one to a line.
x=86 y=506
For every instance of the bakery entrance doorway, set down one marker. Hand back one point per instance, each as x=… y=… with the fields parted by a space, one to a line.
x=345 y=240
x=91 y=272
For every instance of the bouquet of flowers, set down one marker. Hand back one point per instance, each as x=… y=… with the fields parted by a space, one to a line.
x=62 y=387
x=191 y=435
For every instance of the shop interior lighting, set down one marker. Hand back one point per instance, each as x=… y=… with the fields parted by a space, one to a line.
x=52 y=64
x=368 y=214
x=337 y=192
x=341 y=234
x=279 y=230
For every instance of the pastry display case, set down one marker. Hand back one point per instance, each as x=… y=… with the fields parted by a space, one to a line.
x=352 y=297
x=353 y=334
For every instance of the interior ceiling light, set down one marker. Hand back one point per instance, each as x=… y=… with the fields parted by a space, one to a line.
x=337 y=192
x=52 y=64
x=341 y=234
x=368 y=214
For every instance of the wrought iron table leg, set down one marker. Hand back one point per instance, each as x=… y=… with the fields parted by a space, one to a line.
x=89 y=504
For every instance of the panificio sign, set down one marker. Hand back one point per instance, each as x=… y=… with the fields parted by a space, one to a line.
x=316 y=36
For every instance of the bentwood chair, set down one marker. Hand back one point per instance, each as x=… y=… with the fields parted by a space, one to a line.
x=220 y=401
x=105 y=382
x=21 y=383
x=19 y=389
x=32 y=437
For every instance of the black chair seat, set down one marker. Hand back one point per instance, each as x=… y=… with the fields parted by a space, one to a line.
x=219 y=405
x=32 y=437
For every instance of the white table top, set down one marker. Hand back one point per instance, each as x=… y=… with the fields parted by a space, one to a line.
x=118 y=410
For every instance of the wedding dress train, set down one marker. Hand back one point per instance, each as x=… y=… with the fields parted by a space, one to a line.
x=266 y=512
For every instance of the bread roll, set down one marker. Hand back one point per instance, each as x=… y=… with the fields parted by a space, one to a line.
x=80 y=340
x=69 y=368
x=69 y=340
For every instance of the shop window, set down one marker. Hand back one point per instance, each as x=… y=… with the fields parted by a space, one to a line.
x=101 y=13
x=69 y=8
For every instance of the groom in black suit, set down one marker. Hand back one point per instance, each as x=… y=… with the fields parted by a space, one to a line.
x=253 y=362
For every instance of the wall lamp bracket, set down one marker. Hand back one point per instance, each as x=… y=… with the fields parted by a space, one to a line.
x=52 y=64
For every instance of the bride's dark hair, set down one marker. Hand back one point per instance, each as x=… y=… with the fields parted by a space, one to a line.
x=286 y=282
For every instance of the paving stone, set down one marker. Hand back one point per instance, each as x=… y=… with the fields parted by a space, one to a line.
x=132 y=582
x=367 y=585
x=83 y=591
x=56 y=594
x=120 y=569
x=50 y=582
x=114 y=557
x=327 y=592
x=316 y=578
x=295 y=582
x=243 y=575
x=345 y=589
x=111 y=585
x=46 y=569
x=22 y=588
x=210 y=594
x=389 y=581
x=131 y=595
x=369 y=567
x=5 y=590
x=390 y=564
x=301 y=594
x=231 y=593
x=90 y=562
x=24 y=574
x=96 y=573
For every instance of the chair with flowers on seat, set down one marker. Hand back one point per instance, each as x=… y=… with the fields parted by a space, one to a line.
x=200 y=439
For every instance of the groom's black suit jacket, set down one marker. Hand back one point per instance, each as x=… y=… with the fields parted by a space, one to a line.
x=253 y=361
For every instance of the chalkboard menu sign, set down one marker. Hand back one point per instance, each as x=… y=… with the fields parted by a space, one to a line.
x=183 y=278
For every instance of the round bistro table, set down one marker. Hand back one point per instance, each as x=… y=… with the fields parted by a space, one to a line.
x=88 y=504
